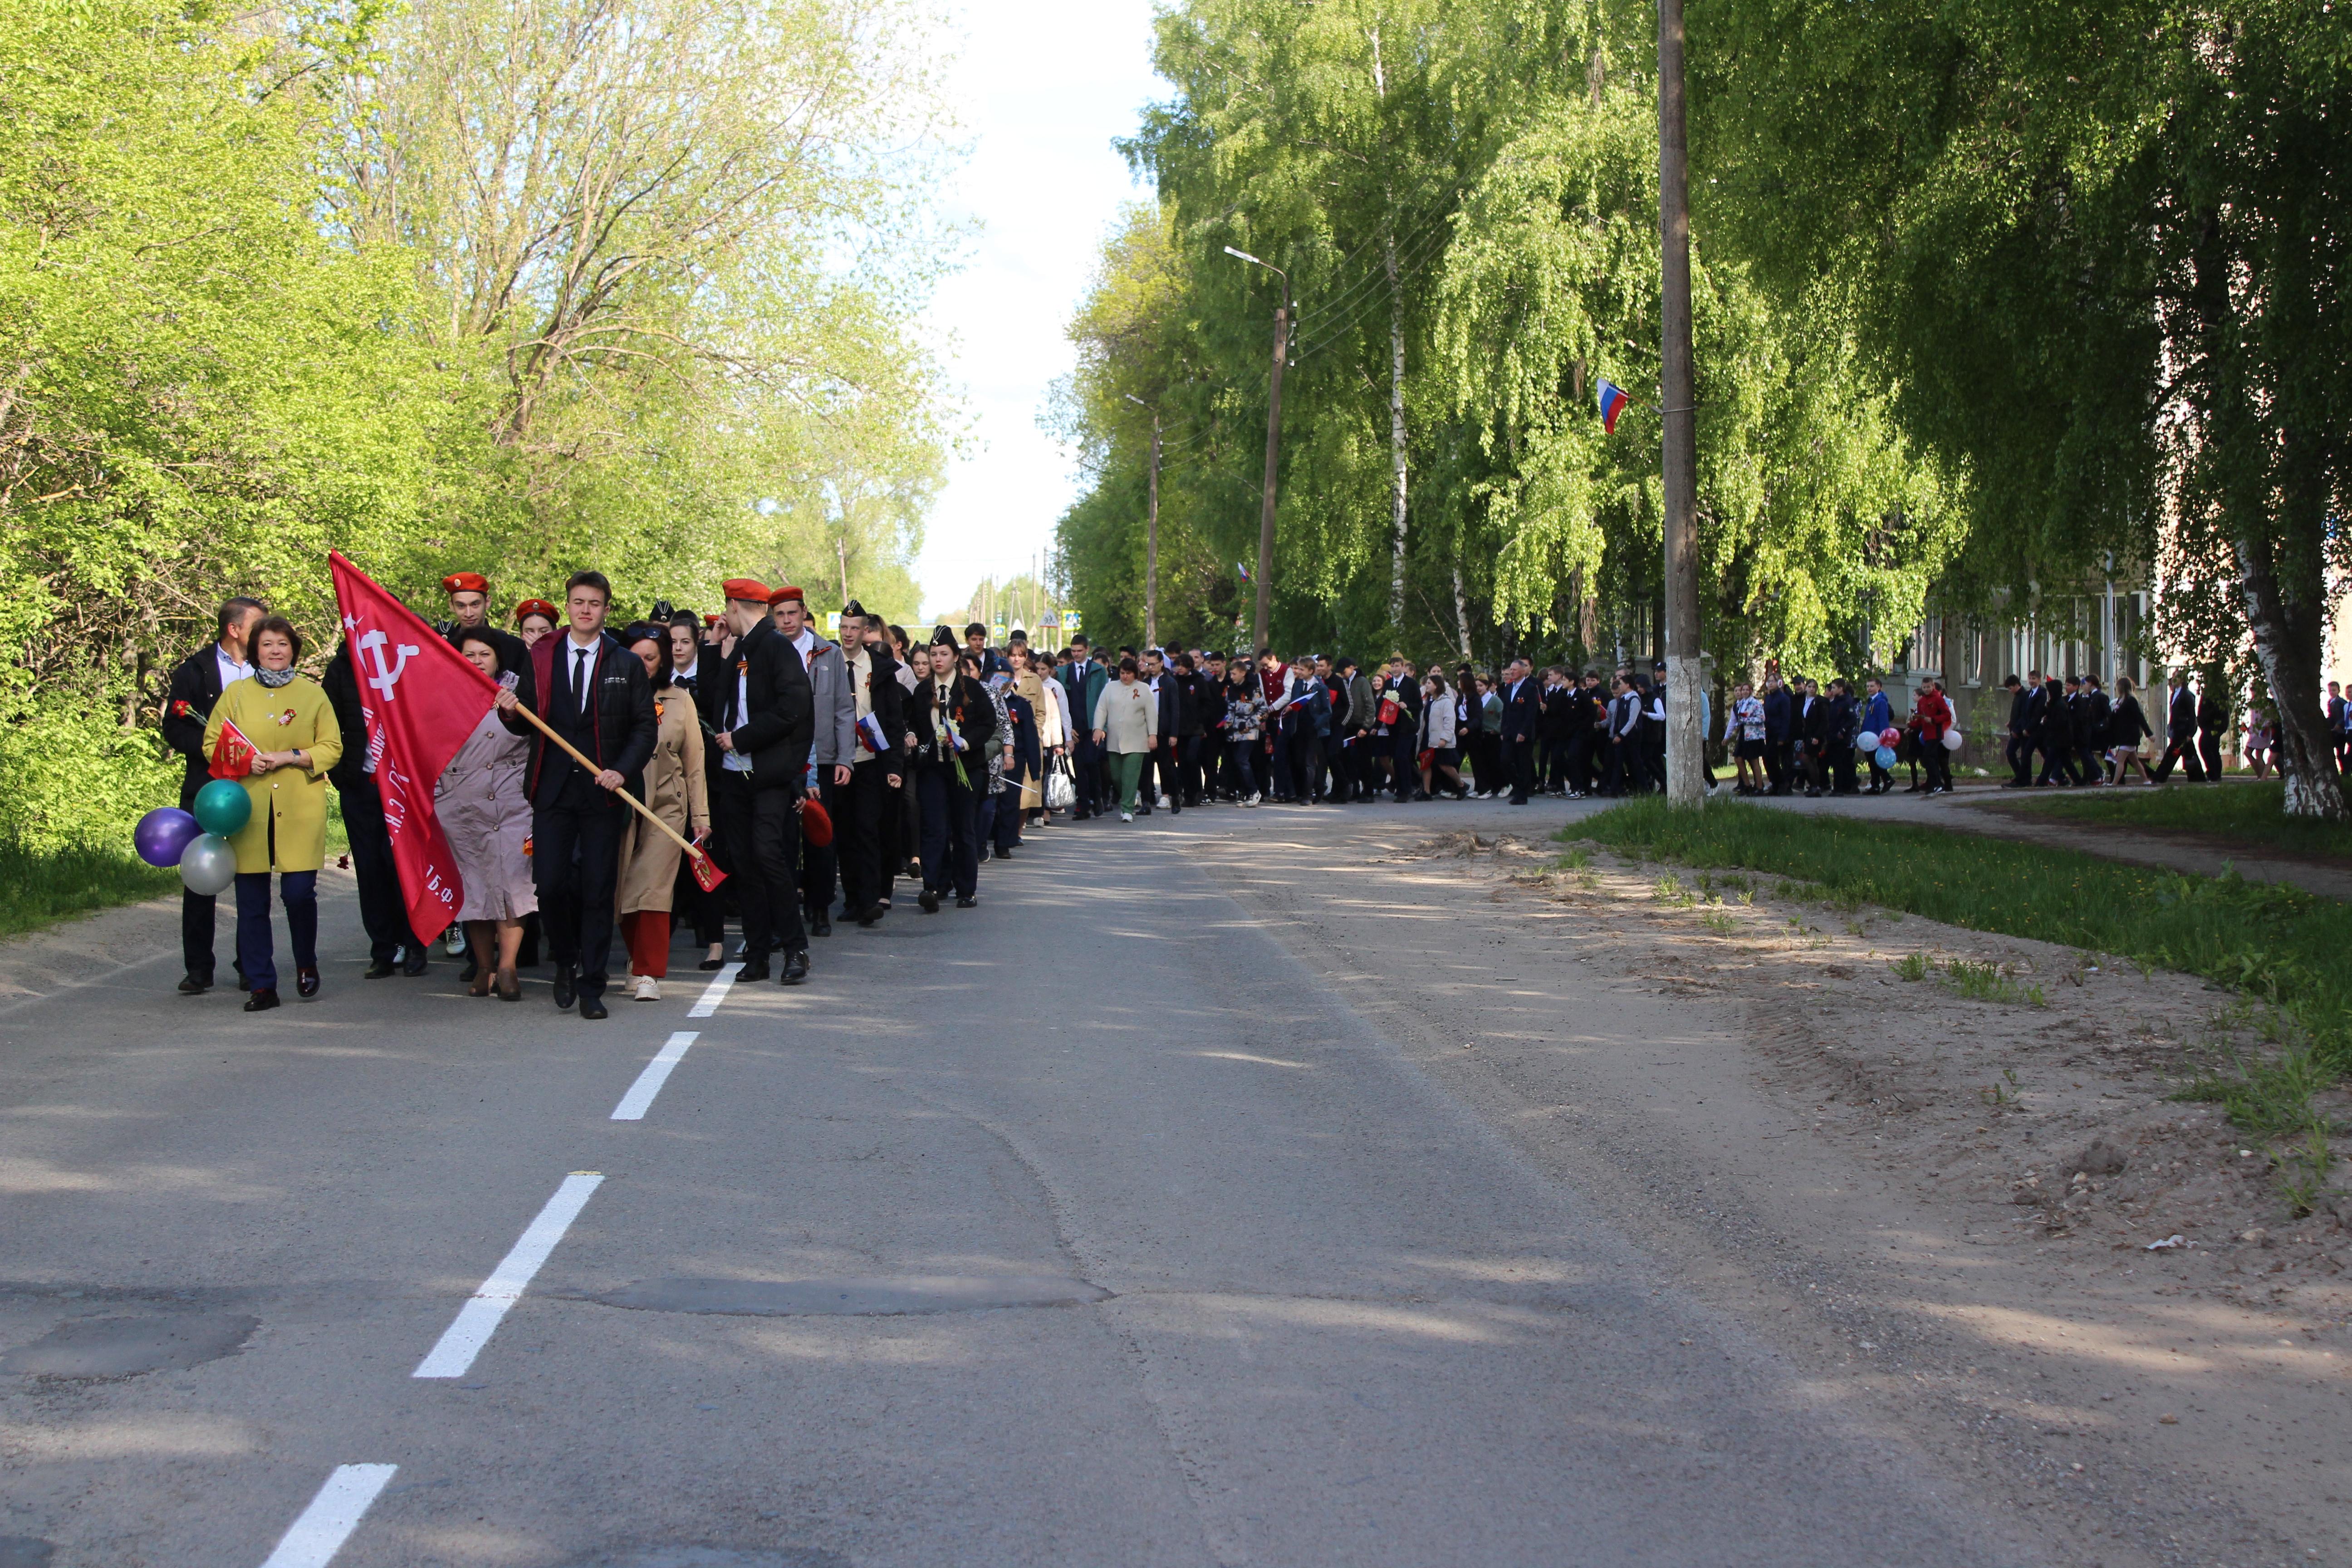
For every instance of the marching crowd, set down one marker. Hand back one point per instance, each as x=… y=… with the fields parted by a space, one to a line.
x=812 y=776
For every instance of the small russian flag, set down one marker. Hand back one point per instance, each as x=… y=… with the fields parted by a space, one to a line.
x=870 y=736
x=1243 y=570
x=1613 y=403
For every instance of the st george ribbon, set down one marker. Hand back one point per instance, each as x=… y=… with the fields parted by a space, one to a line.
x=422 y=700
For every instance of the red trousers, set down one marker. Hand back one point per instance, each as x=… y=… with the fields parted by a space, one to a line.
x=647 y=934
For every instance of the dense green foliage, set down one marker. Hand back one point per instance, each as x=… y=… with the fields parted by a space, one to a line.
x=1465 y=200
x=2099 y=251
x=509 y=287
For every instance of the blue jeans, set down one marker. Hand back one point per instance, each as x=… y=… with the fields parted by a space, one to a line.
x=298 y=891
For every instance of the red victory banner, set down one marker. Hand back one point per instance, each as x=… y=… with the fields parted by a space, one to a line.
x=233 y=754
x=422 y=700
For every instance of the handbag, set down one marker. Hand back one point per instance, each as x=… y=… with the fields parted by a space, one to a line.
x=1060 y=789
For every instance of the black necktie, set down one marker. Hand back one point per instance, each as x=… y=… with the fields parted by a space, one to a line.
x=580 y=676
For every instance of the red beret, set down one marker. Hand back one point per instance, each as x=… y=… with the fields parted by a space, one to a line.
x=709 y=618
x=745 y=588
x=816 y=824
x=786 y=591
x=536 y=607
x=465 y=583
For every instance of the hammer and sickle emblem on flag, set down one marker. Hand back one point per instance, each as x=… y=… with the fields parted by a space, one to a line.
x=386 y=676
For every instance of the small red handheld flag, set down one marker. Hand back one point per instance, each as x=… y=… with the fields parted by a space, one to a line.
x=421 y=700
x=232 y=753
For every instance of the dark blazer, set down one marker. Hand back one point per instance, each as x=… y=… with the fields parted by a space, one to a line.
x=1407 y=692
x=1557 y=708
x=1083 y=684
x=1522 y=710
x=1843 y=715
x=1776 y=714
x=2212 y=713
x=622 y=727
x=2128 y=724
x=932 y=729
x=887 y=701
x=777 y=725
x=2021 y=709
x=1812 y=720
x=2099 y=711
x=196 y=686
x=1172 y=703
x=342 y=689
x=2182 y=723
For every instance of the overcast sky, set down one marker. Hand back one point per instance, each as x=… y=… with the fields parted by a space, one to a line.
x=1044 y=86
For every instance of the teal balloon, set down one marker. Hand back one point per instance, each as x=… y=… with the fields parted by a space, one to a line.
x=222 y=806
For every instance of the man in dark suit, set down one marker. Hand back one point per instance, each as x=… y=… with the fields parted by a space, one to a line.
x=1403 y=740
x=1522 y=718
x=197 y=685
x=874 y=769
x=766 y=728
x=1776 y=732
x=1082 y=682
x=594 y=694
x=2180 y=732
x=2020 y=746
x=2054 y=735
x=950 y=722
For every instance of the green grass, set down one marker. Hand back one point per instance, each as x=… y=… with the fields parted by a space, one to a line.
x=2276 y=943
x=38 y=888
x=2250 y=812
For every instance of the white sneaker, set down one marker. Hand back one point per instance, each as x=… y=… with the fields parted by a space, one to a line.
x=648 y=988
x=1252 y=800
x=1127 y=816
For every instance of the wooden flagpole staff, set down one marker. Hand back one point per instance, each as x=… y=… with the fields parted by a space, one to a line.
x=593 y=770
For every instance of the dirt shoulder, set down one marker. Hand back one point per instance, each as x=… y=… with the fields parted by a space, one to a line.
x=1878 y=1176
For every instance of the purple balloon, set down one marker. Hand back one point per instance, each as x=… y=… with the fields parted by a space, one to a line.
x=164 y=835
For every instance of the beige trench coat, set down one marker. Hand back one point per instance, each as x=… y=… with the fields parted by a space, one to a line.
x=483 y=810
x=675 y=789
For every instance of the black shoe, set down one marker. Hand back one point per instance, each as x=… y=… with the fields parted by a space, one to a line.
x=930 y=902
x=473 y=967
x=592 y=1007
x=1175 y=810
x=709 y=964
x=262 y=1000
x=871 y=913
x=795 y=967
x=754 y=968
x=821 y=923
x=382 y=969
x=413 y=960
x=306 y=983
x=1141 y=810
x=567 y=989
x=193 y=983
x=1002 y=853
x=966 y=901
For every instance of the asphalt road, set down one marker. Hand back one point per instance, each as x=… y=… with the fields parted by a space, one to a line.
x=1085 y=1228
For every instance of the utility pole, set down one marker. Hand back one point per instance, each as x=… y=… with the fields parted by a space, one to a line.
x=1677 y=429
x=1264 y=629
x=1151 y=536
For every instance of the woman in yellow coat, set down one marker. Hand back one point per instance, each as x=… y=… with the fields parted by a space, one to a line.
x=287 y=719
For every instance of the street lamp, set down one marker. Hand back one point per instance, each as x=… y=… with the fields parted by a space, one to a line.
x=1273 y=446
x=1151 y=534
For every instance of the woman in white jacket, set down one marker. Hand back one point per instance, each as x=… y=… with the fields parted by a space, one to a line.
x=1440 y=752
x=1127 y=726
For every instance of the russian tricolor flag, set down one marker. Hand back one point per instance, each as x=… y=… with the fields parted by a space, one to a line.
x=1613 y=403
x=870 y=736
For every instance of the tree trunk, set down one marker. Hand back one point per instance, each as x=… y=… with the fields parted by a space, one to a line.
x=2288 y=634
x=1396 y=432
x=1461 y=607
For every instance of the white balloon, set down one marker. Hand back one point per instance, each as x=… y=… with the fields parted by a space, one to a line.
x=208 y=865
x=1954 y=740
